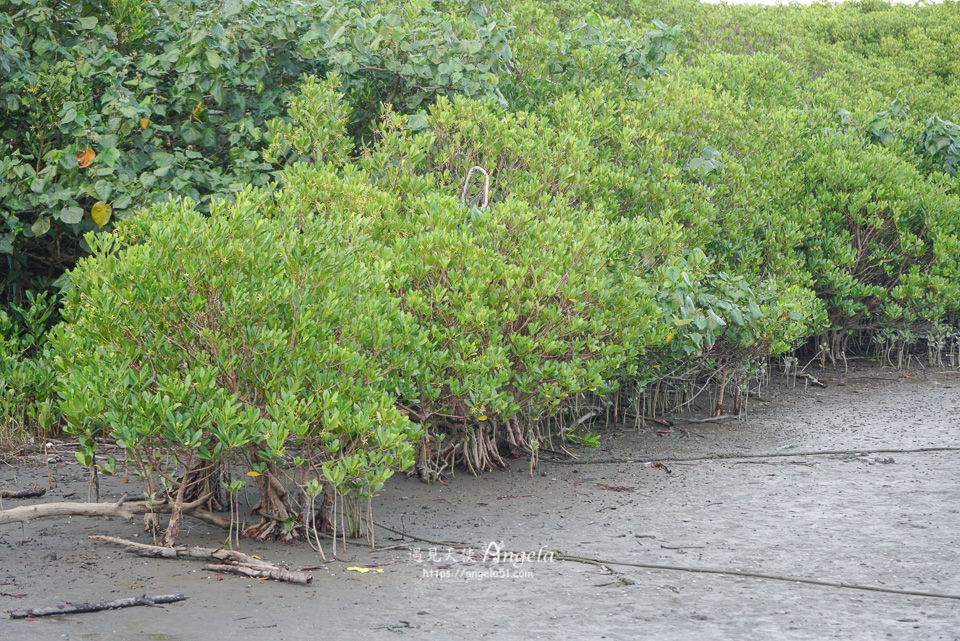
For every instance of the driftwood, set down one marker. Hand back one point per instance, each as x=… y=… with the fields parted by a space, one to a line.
x=227 y=560
x=32 y=493
x=810 y=380
x=122 y=508
x=79 y=608
x=277 y=574
x=715 y=419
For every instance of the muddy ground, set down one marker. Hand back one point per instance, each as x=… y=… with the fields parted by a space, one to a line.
x=888 y=520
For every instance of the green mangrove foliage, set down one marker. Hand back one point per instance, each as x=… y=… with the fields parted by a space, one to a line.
x=107 y=105
x=430 y=236
x=246 y=336
x=520 y=307
x=297 y=333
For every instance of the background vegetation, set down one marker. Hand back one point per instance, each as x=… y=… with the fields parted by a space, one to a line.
x=314 y=243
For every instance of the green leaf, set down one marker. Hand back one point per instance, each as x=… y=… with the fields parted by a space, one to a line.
x=41 y=227
x=213 y=58
x=736 y=316
x=103 y=189
x=109 y=157
x=83 y=457
x=198 y=36
x=231 y=8
x=192 y=133
x=88 y=23
x=71 y=215
x=418 y=122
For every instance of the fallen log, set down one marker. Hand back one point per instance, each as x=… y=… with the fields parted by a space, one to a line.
x=714 y=419
x=122 y=508
x=32 y=493
x=277 y=574
x=810 y=380
x=158 y=551
x=99 y=606
x=237 y=562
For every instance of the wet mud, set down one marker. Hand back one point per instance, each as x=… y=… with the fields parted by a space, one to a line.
x=863 y=516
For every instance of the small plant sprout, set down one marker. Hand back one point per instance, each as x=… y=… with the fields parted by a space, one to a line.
x=233 y=534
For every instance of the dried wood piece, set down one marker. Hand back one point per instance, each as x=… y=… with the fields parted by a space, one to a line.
x=121 y=509
x=32 y=493
x=28 y=513
x=277 y=574
x=810 y=380
x=157 y=551
x=714 y=419
x=79 y=608
x=238 y=562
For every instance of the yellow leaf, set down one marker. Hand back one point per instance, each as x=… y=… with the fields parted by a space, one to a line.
x=360 y=570
x=669 y=337
x=482 y=417
x=144 y=123
x=101 y=213
x=380 y=571
x=86 y=157
x=198 y=110
x=252 y=473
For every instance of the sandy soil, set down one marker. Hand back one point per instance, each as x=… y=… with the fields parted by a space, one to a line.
x=871 y=518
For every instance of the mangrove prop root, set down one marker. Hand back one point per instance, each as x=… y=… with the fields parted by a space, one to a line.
x=274 y=509
x=122 y=509
x=239 y=562
x=99 y=606
x=32 y=493
x=562 y=556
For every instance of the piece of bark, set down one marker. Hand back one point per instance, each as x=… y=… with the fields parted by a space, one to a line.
x=121 y=508
x=157 y=551
x=23 y=494
x=78 y=608
x=811 y=380
x=229 y=560
x=277 y=574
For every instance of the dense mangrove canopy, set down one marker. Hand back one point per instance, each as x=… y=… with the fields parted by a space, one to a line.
x=311 y=244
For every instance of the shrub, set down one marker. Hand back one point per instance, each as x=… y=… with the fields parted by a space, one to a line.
x=520 y=307
x=940 y=143
x=249 y=335
x=879 y=250
x=108 y=105
x=29 y=409
x=436 y=230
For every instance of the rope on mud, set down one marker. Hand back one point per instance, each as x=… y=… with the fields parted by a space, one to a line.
x=720 y=457
x=417 y=538
x=679 y=568
x=757 y=575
